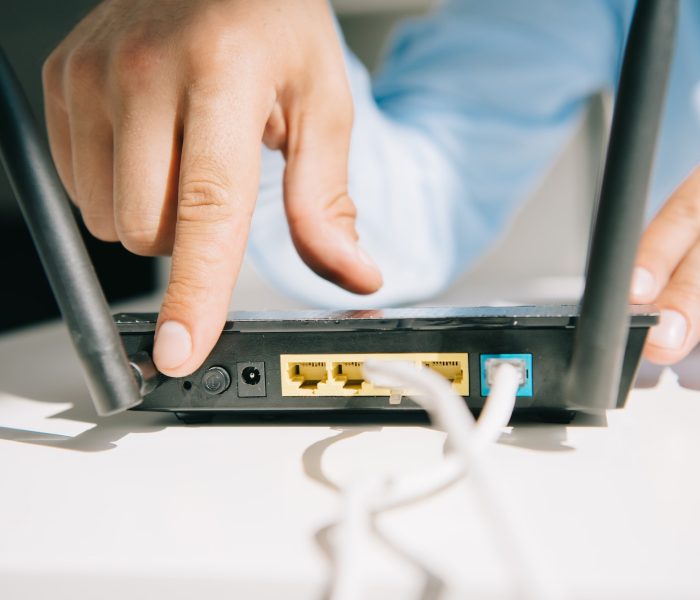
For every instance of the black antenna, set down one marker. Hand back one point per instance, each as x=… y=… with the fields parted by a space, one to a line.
x=594 y=375
x=112 y=381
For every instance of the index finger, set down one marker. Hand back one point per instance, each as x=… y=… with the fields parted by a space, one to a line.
x=219 y=173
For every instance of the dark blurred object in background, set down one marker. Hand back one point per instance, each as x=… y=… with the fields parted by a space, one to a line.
x=25 y=295
x=29 y=29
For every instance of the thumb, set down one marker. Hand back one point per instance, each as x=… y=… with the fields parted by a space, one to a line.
x=319 y=210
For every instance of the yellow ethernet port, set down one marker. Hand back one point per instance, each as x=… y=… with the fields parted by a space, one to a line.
x=307 y=375
x=341 y=374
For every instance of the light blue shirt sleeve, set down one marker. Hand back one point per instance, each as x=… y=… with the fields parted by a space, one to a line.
x=467 y=112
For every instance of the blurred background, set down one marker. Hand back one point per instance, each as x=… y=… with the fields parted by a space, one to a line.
x=547 y=239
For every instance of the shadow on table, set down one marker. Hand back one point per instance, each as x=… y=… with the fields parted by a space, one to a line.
x=102 y=435
x=525 y=431
x=541 y=437
x=106 y=432
x=688 y=371
x=39 y=369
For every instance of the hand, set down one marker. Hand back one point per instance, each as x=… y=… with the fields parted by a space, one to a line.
x=156 y=110
x=668 y=274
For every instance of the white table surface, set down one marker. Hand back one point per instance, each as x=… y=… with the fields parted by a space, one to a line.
x=141 y=506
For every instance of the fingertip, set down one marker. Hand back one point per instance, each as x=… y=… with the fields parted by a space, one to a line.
x=352 y=268
x=661 y=356
x=644 y=286
x=189 y=327
x=172 y=348
x=667 y=341
x=365 y=258
x=334 y=253
x=371 y=276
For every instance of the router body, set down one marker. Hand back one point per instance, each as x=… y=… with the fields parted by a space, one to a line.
x=311 y=361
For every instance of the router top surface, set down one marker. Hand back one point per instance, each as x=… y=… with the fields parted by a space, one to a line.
x=398 y=318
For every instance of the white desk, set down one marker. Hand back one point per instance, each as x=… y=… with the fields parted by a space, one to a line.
x=140 y=506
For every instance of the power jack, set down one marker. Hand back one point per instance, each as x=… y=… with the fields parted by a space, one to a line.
x=251 y=379
x=250 y=375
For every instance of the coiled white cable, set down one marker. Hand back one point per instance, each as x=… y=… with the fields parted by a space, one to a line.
x=468 y=440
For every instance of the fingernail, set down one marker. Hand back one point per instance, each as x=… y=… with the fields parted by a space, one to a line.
x=670 y=332
x=365 y=258
x=173 y=345
x=643 y=285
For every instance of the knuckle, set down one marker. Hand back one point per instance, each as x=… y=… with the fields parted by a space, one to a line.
x=139 y=237
x=134 y=62
x=205 y=198
x=52 y=75
x=83 y=68
x=184 y=291
x=217 y=47
x=100 y=227
x=335 y=207
x=685 y=210
x=685 y=292
x=342 y=210
x=203 y=64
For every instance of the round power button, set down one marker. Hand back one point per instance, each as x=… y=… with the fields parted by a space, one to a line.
x=216 y=380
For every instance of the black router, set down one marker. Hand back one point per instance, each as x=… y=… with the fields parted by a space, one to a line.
x=570 y=358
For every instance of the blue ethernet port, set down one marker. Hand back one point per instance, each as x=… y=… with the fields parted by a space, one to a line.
x=522 y=362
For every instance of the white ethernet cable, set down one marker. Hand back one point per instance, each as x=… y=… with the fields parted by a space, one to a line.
x=466 y=456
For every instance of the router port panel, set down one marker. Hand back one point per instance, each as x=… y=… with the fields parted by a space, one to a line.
x=254 y=345
x=337 y=375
